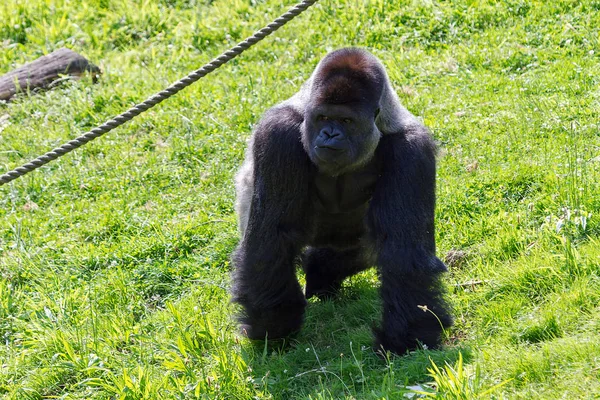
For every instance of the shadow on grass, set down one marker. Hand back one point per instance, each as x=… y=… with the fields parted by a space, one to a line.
x=332 y=356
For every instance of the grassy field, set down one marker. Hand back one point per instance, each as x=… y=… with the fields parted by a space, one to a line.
x=114 y=260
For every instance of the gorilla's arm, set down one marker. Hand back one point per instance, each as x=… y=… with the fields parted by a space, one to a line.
x=264 y=277
x=401 y=218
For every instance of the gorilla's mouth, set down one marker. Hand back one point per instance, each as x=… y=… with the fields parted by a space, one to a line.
x=329 y=154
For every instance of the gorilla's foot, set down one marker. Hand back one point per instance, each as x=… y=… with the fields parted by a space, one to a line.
x=321 y=287
x=424 y=331
x=272 y=323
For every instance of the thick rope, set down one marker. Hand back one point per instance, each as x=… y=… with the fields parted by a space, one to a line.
x=159 y=97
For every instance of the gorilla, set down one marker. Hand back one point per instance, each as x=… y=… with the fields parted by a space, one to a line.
x=339 y=178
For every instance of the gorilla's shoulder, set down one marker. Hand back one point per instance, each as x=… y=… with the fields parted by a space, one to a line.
x=284 y=113
x=413 y=142
x=280 y=120
x=278 y=137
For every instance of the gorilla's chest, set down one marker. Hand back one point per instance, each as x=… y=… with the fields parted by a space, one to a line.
x=345 y=193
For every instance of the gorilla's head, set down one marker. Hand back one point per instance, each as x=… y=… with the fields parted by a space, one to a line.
x=339 y=131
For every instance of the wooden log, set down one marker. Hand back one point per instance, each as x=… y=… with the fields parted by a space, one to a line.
x=44 y=71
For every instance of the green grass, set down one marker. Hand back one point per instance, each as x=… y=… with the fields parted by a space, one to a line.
x=114 y=260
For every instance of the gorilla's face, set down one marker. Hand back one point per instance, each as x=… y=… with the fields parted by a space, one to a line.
x=340 y=138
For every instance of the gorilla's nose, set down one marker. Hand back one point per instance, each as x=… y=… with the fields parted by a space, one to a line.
x=331 y=139
x=330 y=133
x=330 y=144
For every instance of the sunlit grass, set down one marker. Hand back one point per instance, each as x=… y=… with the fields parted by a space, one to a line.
x=114 y=260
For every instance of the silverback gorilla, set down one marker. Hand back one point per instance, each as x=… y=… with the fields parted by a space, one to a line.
x=340 y=177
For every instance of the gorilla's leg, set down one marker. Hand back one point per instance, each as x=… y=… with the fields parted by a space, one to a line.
x=401 y=219
x=274 y=214
x=326 y=268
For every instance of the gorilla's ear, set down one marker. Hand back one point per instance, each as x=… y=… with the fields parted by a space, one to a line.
x=393 y=117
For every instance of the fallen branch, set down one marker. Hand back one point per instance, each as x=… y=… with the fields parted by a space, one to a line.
x=45 y=71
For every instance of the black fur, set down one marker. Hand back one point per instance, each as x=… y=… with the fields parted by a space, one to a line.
x=340 y=177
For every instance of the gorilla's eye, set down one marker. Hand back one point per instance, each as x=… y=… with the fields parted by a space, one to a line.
x=322 y=118
x=346 y=120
